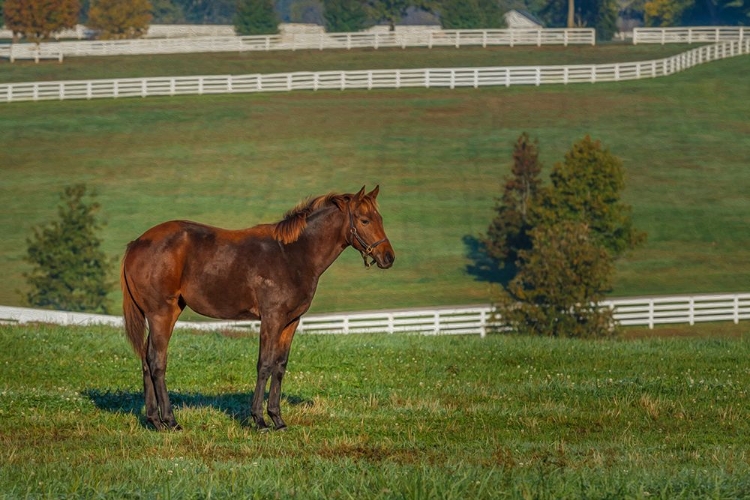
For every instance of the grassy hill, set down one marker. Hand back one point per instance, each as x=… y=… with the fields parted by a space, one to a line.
x=439 y=156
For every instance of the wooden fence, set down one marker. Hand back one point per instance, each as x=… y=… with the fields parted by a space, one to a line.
x=369 y=79
x=441 y=321
x=302 y=41
x=698 y=34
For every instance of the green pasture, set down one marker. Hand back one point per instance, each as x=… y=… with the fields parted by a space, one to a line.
x=382 y=416
x=439 y=156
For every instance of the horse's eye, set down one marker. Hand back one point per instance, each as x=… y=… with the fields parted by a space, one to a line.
x=364 y=221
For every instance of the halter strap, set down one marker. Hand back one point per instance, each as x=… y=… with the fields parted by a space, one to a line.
x=366 y=250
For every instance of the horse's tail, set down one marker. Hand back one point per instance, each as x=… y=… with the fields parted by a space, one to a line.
x=135 y=320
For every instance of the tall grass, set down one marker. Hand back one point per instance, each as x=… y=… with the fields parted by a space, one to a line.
x=439 y=155
x=381 y=416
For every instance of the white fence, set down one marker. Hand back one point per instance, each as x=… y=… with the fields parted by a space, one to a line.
x=703 y=34
x=441 y=321
x=317 y=41
x=369 y=79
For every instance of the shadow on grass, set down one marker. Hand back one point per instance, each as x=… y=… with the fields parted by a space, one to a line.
x=234 y=405
x=482 y=266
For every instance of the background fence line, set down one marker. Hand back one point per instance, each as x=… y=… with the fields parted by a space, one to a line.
x=369 y=79
x=695 y=34
x=477 y=320
x=302 y=41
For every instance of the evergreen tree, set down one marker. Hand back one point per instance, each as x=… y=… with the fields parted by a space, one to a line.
x=69 y=269
x=118 y=19
x=256 y=17
x=343 y=16
x=515 y=216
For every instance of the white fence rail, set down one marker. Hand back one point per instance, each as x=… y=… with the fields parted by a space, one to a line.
x=369 y=79
x=317 y=41
x=702 y=34
x=460 y=320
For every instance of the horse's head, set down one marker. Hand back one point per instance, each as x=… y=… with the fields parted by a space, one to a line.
x=365 y=230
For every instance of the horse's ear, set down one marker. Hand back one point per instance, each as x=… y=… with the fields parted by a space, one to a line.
x=361 y=193
x=374 y=193
x=342 y=201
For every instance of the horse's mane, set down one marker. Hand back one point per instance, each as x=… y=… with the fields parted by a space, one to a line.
x=289 y=229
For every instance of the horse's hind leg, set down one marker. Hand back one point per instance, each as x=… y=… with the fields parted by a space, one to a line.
x=158 y=407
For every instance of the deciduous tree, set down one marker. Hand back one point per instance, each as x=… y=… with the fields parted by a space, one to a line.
x=561 y=280
x=560 y=242
x=343 y=16
x=587 y=187
x=117 y=19
x=256 y=17
x=69 y=269
x=37 y=20
x=471 y=14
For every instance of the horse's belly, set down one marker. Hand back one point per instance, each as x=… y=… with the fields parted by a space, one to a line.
x=222 y=301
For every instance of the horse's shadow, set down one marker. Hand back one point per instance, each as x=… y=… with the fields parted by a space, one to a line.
x=234 y=405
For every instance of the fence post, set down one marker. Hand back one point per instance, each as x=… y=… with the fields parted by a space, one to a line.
x=458 y=39
x=346 y=324
x=391 y=326
x=651 y=314
x=691 y=311
x=565 y=38
x=482 y=324
x=437 y=323
x=736 y=309
x=429 y=41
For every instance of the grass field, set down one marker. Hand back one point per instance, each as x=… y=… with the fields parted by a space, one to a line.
x=439 y=156
x=382 y=416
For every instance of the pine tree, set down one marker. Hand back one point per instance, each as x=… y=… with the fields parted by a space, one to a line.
x=256 y=17
x=515 y=216
x=69 y=268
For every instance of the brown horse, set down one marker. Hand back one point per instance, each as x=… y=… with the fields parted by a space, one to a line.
x=267 y=272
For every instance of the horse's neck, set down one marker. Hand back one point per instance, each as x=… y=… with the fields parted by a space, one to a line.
x=323 y=239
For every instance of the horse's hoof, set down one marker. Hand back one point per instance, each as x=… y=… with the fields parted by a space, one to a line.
x=263 y=430
x=281 y=428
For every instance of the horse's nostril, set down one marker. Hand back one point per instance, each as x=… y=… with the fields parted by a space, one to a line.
x=389 y=257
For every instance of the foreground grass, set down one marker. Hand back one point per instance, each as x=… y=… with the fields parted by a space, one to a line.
x=439 y=155
x=382 y=417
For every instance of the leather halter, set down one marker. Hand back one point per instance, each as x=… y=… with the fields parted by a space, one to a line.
x=366 y=250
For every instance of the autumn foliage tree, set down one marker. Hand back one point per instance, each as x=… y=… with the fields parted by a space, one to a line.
x=37 y=20
x=118 y=19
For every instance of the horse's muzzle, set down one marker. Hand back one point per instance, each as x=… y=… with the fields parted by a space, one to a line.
x=385 y=260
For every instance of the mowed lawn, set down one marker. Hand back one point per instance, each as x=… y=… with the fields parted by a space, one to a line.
x=439 y=156
x=382 y=416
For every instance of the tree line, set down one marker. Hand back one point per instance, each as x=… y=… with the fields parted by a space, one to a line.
x=38 y=19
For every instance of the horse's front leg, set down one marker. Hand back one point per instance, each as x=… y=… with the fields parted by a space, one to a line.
x=280 y=359
x=269 y=333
